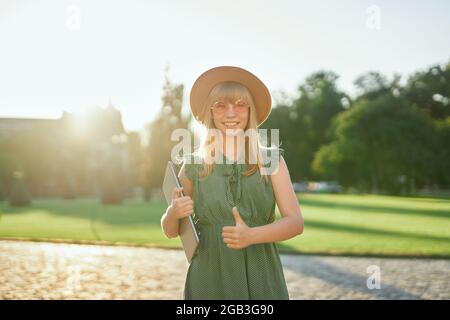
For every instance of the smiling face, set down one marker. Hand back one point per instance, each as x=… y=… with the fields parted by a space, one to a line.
x=234 y=110
x=230 y=106
x=230 y=115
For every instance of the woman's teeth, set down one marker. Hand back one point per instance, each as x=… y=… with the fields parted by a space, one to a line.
x=230 y=124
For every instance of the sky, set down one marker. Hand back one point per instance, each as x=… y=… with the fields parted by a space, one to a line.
x=61 y=55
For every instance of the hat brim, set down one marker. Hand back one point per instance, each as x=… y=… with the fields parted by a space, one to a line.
x=210 y=78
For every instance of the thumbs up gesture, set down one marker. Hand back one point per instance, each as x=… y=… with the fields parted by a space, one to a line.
x=237 y=237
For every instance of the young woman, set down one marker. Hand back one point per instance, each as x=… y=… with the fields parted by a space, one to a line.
x=234 y=198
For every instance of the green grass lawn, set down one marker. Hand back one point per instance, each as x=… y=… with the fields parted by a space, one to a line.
x=334 y=224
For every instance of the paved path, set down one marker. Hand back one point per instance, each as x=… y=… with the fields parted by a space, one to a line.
x=38 y=270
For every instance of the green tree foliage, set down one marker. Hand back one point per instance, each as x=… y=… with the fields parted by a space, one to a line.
x=430 y=90
x=378 y=141
x=373 y=84
x=441 y=174
x=304 y=124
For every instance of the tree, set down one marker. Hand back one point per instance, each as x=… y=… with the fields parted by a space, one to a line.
x=373 y=84
x=430 y=90
x=159 y=146
x=441 y=174
x=304 y=123
x=377 y=142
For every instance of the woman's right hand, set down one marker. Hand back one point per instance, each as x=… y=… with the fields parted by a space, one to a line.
x=181 y=206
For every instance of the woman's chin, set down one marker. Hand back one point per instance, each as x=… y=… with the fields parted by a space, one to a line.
x=232 y=132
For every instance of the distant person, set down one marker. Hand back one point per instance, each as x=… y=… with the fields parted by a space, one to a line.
x=234 y=198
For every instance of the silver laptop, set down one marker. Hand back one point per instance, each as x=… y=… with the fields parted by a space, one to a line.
x=188 y=232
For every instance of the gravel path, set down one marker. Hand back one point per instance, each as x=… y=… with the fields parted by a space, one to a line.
x=39 y=270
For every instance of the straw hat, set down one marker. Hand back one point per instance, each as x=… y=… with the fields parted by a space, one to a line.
x=210 y=78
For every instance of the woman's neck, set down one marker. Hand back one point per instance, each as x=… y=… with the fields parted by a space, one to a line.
x=230 y=148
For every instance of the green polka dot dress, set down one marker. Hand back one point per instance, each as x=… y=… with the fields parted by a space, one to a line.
x=219 y=272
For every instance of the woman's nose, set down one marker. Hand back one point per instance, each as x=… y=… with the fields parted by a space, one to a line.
x=230 y=110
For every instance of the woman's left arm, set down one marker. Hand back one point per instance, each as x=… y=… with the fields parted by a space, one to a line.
x=291 y=223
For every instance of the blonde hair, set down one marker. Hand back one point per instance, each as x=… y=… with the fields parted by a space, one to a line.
x=230 y=91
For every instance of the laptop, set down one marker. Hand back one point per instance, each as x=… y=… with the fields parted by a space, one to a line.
x=187 y=230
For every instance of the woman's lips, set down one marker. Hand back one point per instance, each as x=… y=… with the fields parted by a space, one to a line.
x=231 y=124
